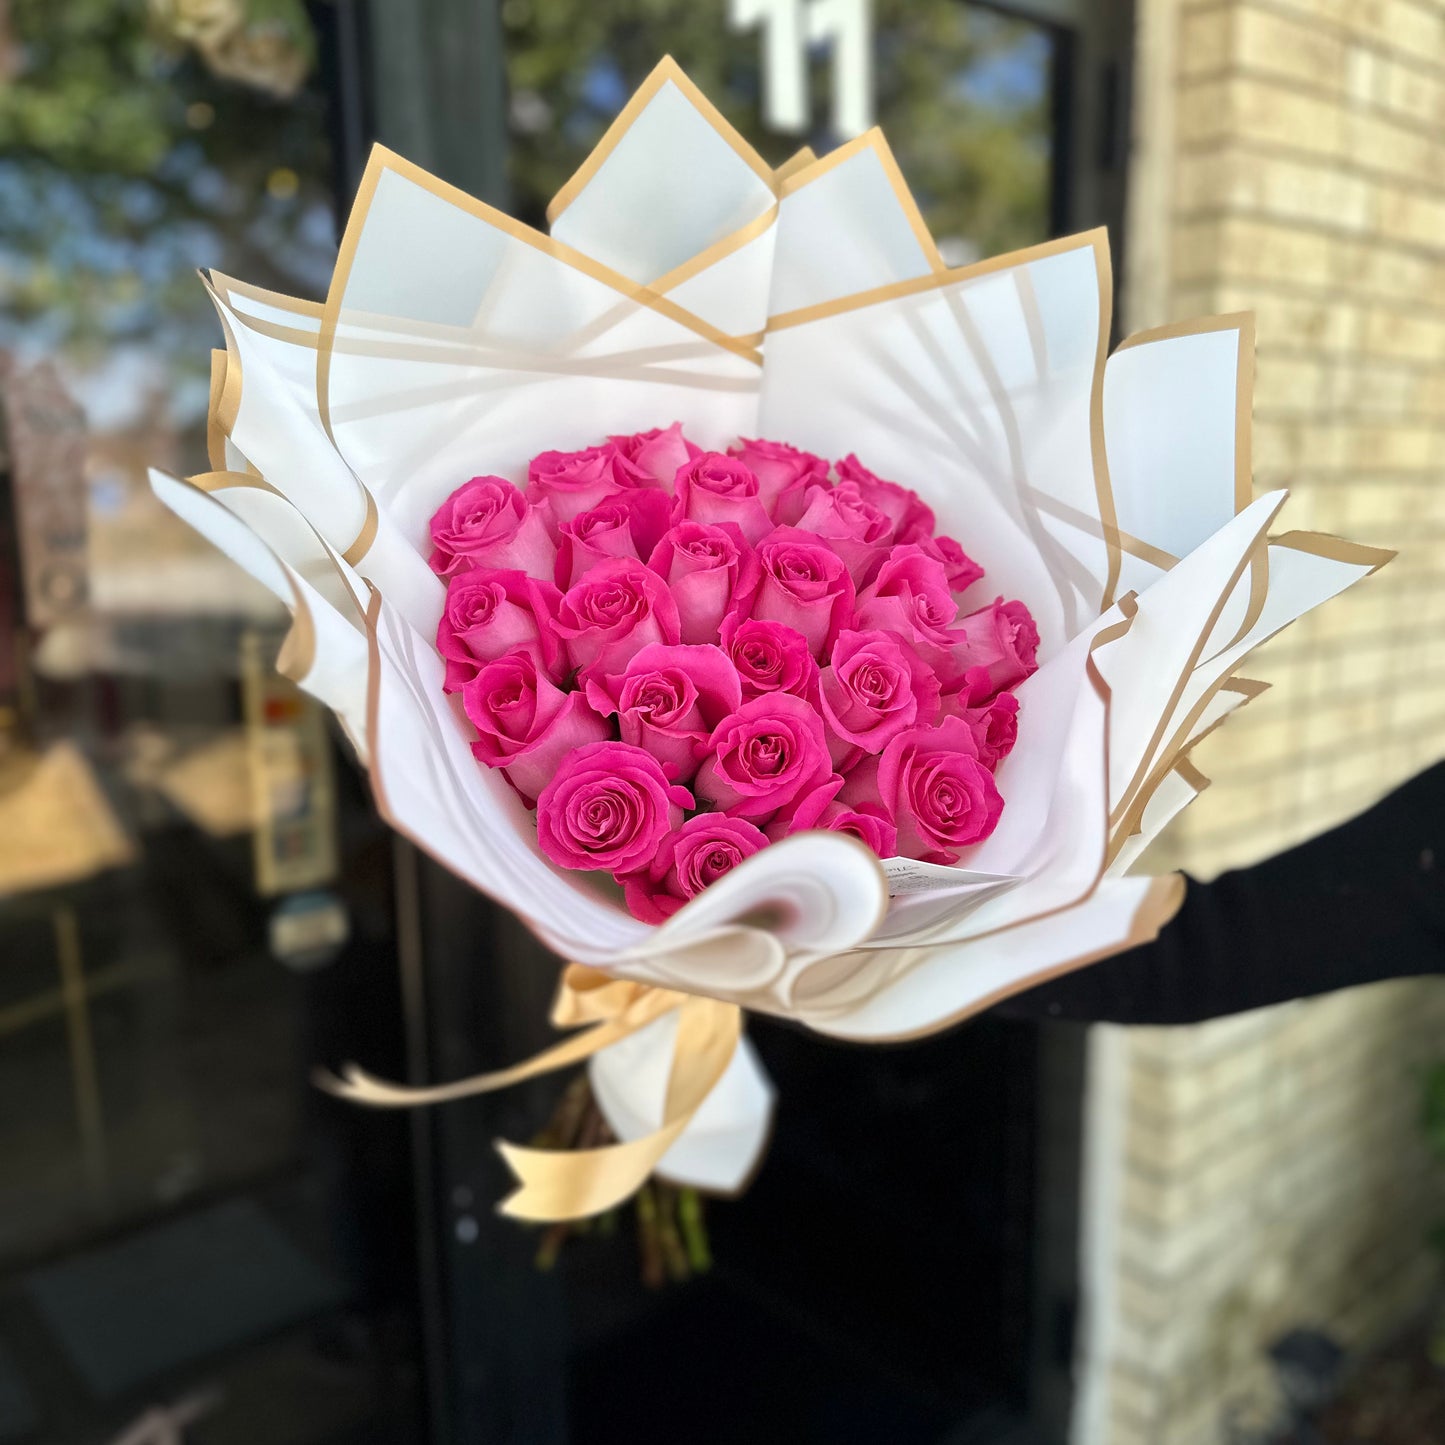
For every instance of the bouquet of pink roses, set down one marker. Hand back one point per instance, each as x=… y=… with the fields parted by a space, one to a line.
x=678 y=656
x=774 y=700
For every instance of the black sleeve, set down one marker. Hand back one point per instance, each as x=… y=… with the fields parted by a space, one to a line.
x=1361 y=903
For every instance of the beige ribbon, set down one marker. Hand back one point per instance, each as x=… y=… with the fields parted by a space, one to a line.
x=557 y=1184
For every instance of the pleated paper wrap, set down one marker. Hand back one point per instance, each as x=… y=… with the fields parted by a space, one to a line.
x=686 y=280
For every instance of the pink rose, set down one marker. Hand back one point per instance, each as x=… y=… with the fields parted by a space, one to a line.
x=572 y=482
x=626 y=524
x=699 y=853
x=613 y=612
x=659 y=452
x=668 y=700
x=999 y=649
x=609 y=805
x=995 y=728
x=492 y=611
x=960 y=569
x=770 y=658
x=701 y=566
x=855 y=529
x=524 y=723
x=910 y=595
x=868 y=822
x=487 y=522
x=912 y=518
x=939 y=794
x=802 y=583
x=874 y=687
x=713 y=488
x=763 y=756
x=779 y=468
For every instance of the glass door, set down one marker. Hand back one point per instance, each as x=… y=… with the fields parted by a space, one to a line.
x=901 y=1268
x=195 y=897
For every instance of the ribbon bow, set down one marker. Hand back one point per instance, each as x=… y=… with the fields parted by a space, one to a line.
x=558 y=1184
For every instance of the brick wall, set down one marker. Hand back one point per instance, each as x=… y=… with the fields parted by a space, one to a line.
x=1266 y=1171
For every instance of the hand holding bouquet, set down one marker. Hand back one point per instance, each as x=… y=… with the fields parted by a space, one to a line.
x=728 y=726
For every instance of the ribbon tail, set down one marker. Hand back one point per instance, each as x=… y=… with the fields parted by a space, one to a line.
x=357 y=1086
x=558 y=1184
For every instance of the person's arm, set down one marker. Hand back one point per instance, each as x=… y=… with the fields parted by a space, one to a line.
x=1359 y=904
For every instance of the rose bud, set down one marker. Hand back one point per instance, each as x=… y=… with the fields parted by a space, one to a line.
x=609 y=805
x=959 y=568
x=855 y=529
x=999 y=648
x=626 y=524
x=770 y=657
x=524 y=723
x=668 y=700
x=701 y=566
x=802 y=583
x=490 y=612
x=940 y=796
x=912 y=518
x=874 y=687
x=572 y=482
x=487 y=522
x=995 y=728
x=763 y=756
x=779 y=468
x=659 y=452
x=713 y=488
x=699 y=853
x=868 y=822
x=910 y=595
x=612 y=612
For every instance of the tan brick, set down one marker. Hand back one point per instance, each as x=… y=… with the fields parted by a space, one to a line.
x=1266 y=41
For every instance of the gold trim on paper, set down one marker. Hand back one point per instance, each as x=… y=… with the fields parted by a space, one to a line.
x=709 y=256
x=1336 y=549
x=382 y=160
x=367 y=535
x=215 y=433
x=877 y=142
x=1161 y=901
x=666 y=69
x=917 y=285
x=805 y=156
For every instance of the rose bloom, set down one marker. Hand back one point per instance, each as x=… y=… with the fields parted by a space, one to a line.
x=659 y=452
x=874 y=687
x=761 y=757
x=910 y=595
x=699 y=853
x=853 y=527
x=668 y=700
x=770 y=657
x=779 y=468
x=999 y=649
x=959 y=568
x=868 y=822
x=626 y=524
x=995 y=728
x=487 y=522
x=802 y=583
x=612 y=612
x=610 y=806
x=572 y=482
x=524 y=723
x=939 y=794
x=701 y=566
x=492 y=611
x=713 y=488
x=912 y=518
